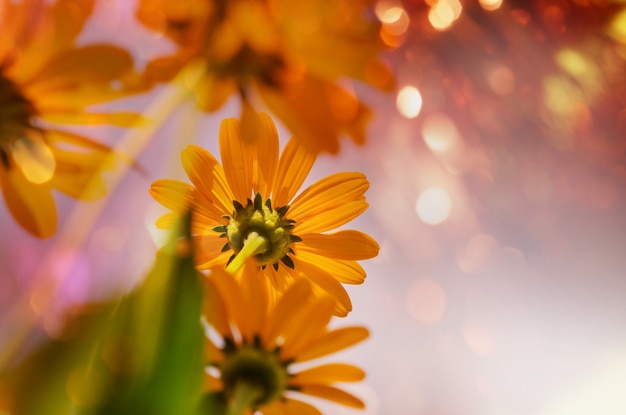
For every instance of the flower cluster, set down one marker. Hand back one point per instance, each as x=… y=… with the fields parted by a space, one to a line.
x=247 y=221
x=272 y=260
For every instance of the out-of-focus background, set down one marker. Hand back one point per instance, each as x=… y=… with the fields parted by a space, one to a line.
x=498 y=192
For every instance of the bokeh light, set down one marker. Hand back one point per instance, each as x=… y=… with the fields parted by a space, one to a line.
x=426 y=301
x=433 y=206
x=443 y=13
x=501 y=79
x=409 y=101
x=479 y=340
x=439 y=133
x=490 y=4
x=395 y=22
x=480 y=249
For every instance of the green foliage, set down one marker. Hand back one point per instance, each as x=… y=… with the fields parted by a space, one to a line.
x=142 y=354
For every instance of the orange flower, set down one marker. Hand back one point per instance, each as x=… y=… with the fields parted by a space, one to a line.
x=248 y=208
x=290 y=53
x=252 y=356
x=45 y=79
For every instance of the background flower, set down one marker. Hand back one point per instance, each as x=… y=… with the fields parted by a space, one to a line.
x=290 y=54
x=45 y=80
x=252 y=360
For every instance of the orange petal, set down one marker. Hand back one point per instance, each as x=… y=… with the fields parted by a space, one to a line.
x=329 y=202
x=227 y=40
x=55 y=137
x=120 y=119
x=249 y=122
x=293 y=167
x=55 y=31
x=333 y=342
x=237 y=159
x=206 y=214
x=278 y=281
x=257 y=26
x=214 y=306
x=78 y=175
x=172 y=194
x=87 y=64
x=347 y=245
x=260 y=138
x=167 y=221
x=34 y=157
x=289 y=407
x=266 y=156
x=80 y=162
x=254 y=291
x=287 y=309
x=213 y=92
x=326 y=283
x=212 y=384
x=312 y=324
x=212 y=353
x=333 y=394
x=333 y=218
x=327 y=374
x=314 y=111
x=237 y=309
x=205 y=262
x=32 y=205
x=347 y=272
x=80 y=77
x=207 y=247
x=208 y=176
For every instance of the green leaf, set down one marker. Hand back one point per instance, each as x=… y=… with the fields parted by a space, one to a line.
x=142 y=354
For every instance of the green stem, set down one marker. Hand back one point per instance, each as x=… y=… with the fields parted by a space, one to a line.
x=244 y=396
x=254 y=244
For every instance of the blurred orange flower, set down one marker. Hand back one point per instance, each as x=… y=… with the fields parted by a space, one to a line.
x=251 y=359
x=290 y=53
x=45 y=79
x=248 y=202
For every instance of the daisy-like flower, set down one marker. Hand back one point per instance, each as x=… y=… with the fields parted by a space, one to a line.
x=45 y=79
x=288 y=53
x=248 y=208
x=255 y=348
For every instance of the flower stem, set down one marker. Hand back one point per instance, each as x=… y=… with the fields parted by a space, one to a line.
x=244 y=396
x=254 y=244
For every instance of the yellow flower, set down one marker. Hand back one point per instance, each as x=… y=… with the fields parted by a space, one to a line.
x=289 y=53
x=45 y=79
x=246 y=208
x=254 y=346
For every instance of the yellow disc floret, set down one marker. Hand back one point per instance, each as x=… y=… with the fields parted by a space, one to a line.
x=251 y=366
x=258 y=230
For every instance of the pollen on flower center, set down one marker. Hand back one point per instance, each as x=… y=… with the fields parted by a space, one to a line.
x=254 y=367
x=261 y=231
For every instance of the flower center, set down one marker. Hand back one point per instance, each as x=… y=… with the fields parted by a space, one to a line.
x=16 y=113
x=258 y=230
x=256 y=372
x=248 y=64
